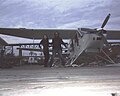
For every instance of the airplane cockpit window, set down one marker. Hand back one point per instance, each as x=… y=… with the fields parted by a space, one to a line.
x=99 y=38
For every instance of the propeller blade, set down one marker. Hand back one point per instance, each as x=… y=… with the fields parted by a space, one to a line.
x=105 y=21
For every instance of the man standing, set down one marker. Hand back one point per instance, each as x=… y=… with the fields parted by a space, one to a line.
x=45 y=44
x=2 y=57
x=56 y=43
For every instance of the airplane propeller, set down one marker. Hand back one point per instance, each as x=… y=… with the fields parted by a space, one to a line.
x=94 y=30
x=105 y=21
x=100 y=32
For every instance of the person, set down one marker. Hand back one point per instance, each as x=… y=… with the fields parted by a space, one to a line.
x=56 y=44
x=2 y=56
x=2 y=61
x=45 y=43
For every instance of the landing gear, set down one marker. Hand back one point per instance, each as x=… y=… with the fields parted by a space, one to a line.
x=109 y=59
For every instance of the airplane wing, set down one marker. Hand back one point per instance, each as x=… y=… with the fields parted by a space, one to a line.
x=113 y=34
x=114 y=42
x=2 y=42
x=37 y=33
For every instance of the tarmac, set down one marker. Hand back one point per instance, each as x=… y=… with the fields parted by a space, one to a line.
x=35 y=80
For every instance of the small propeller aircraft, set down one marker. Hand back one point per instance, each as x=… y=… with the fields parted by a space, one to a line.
x=80 y=40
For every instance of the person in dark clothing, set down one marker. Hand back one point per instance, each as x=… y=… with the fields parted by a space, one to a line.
x=2 y=57
x=56 y=43
x=45 y=44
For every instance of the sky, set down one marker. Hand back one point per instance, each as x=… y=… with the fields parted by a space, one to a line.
x=63 y=14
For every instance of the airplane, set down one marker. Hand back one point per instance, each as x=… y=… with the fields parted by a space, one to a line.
x=80 y=40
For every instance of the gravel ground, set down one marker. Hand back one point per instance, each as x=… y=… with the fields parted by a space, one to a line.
x=35 y=80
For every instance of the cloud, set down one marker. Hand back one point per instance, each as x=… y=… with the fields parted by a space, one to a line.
x=59 y=13
x=51 y=13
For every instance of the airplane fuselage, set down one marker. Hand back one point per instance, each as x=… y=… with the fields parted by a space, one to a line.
x=92 y=42
x=89 y=42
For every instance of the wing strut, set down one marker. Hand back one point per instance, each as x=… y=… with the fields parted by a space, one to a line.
x=76 y=52
x=106 y=59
